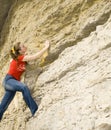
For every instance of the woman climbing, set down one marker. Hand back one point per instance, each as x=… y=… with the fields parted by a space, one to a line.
x=12 y=82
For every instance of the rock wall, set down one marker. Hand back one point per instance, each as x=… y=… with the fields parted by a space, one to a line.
x=5 y=5
x=72 y=87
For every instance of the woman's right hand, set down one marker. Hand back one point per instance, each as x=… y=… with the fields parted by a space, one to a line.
x=47 y=44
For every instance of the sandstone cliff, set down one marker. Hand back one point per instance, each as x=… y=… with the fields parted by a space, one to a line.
x=73 y=86
x=5 y=5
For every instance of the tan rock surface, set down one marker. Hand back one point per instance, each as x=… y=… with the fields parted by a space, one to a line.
x=74 y=88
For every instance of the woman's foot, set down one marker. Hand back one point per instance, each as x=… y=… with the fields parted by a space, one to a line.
x=34 y=112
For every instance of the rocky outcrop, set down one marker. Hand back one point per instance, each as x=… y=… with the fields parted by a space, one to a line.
x=73 y=85
x=4 y=10
x=104 y=126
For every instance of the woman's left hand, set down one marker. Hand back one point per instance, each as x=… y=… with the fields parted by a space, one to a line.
x=47 y=44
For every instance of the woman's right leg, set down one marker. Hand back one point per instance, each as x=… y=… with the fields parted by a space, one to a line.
x=14 y=85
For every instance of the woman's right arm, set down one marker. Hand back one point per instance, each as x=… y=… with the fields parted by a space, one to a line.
x=38 y=54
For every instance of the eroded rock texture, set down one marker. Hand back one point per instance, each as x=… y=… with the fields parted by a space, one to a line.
x=73 y=86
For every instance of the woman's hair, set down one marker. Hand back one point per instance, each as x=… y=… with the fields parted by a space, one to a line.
x=14 y=52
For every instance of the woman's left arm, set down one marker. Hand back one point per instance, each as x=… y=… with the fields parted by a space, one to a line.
x=38 y=54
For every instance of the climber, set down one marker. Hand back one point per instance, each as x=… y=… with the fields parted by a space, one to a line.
x=12 y=82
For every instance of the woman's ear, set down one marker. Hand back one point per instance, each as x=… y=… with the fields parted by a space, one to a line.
x=19 y=51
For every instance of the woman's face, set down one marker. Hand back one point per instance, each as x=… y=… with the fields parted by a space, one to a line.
x=23 y=49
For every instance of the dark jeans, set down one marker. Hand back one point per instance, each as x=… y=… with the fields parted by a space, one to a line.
x=11 y=85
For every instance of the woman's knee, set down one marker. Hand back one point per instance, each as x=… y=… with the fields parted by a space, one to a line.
x=25 y=88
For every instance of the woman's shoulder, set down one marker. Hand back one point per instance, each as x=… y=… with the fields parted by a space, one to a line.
x=20 y=57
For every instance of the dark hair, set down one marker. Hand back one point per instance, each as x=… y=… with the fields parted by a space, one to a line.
x=14 y=52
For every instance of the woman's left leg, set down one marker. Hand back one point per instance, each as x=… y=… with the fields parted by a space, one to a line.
x=9 y=95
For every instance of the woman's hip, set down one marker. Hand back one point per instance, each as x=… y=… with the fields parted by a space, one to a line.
x=10 y=83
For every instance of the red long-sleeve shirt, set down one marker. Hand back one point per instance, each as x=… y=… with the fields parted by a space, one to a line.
x=17 y=67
